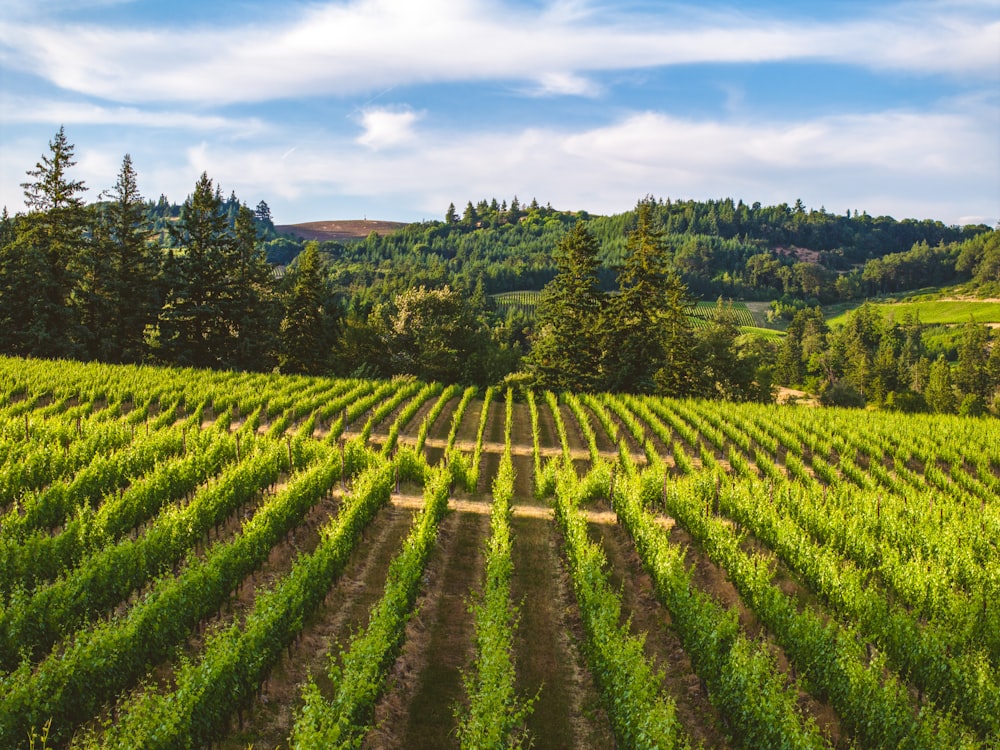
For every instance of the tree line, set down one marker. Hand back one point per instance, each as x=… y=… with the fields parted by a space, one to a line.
x=639 y=339
x=209 y=283
x=95 y=282
x=874 y=360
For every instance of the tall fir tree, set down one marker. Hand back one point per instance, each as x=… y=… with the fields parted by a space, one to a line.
x=566 y=353
x=193 y=327
x=940 y=393
x=119 y=297
x=649 y=340
x=253 y=305
x=311 y=324
x=39 y=267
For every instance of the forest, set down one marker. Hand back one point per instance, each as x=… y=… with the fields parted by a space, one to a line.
x=209 y=283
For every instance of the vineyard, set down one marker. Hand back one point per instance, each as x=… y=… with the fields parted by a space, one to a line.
x=214 y=559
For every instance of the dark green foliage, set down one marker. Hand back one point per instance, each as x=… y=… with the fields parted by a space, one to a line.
x=40 y=265
x=309 y=329
x=649 y=341
x=219 y=309
x=566 y=352
x=118 y=294
x=129 y=280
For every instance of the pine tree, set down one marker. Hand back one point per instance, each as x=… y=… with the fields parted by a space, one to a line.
x=39 y=268
x=566 y=352
x=252 y=305
x=971 y=374
x=649 y=341
x=310 y=326
x=118 y=290
x=940 y=394
x=193 y=327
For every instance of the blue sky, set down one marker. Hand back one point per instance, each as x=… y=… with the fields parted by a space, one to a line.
x=391 y=109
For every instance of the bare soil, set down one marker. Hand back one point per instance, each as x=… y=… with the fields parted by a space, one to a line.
x=713 y=580
x=269 y=720
x=697 y=715
x=567 y=712
x=425 y=684
x=344 y=229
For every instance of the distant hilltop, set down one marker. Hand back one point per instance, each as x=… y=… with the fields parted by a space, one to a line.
x=350 y=229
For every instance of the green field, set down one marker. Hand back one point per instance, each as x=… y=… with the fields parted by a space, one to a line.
x=527 y=301
x=221 y=559
x=931 y=312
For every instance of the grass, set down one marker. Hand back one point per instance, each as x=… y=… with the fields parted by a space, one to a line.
x=930 y=312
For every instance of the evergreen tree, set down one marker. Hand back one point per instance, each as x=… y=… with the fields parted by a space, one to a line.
x=450 y=216
x=252 y=305
x=263 y=214
x=118 y=290
x=940 y=394
x=566 y=352
x=649 y=342
x=310 y=327
x=194 y=328
x=39 y=268
x=971 y=374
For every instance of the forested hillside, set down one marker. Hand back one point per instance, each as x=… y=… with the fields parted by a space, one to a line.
x=210 y=283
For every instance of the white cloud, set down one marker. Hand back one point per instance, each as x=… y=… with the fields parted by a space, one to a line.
x=363 y=45
x=387 y=127
x=902 y=164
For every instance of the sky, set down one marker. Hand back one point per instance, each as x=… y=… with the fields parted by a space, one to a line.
x=392 y=109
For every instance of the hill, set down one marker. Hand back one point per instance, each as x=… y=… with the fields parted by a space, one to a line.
x=335 y=231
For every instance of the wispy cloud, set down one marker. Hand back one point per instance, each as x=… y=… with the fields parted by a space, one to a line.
x=337 y=48
x=55 y=112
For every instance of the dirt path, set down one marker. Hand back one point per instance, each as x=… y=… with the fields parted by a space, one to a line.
x=567 y=712
x=548 y=438
x=442 y=425
x=269 y=721
x=605 y=443
x=425 y=683
x=663 y=648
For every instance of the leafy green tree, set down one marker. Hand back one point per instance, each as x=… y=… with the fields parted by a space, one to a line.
x=39 y=268
x=311 y=324
x=718 y=361
x=566 y=351
x=434 y=334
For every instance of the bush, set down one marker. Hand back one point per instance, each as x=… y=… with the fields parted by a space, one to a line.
x=972 y=406
x=841 y=394
x=907 y=402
